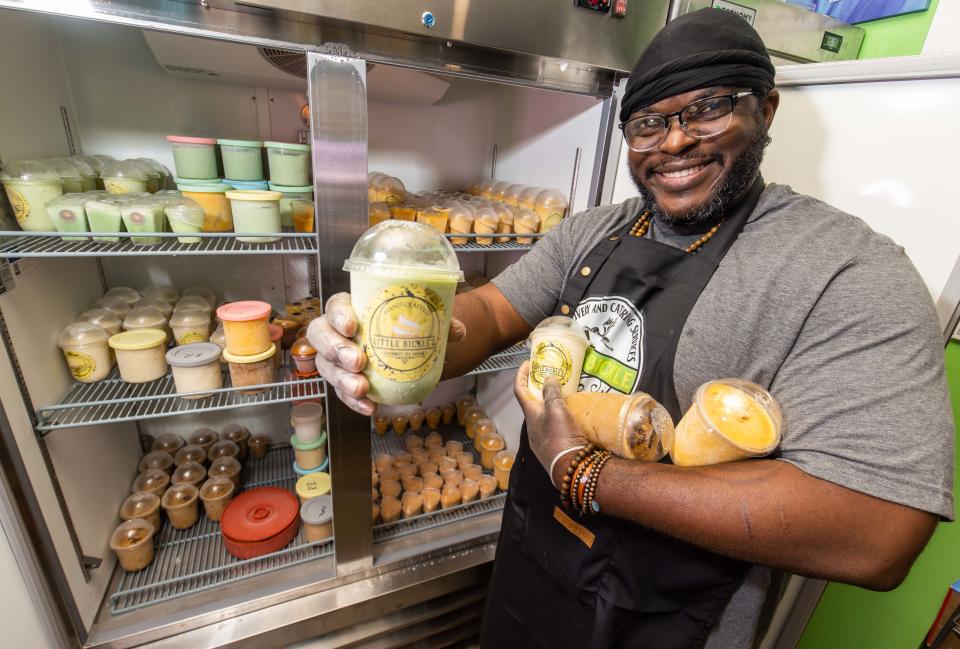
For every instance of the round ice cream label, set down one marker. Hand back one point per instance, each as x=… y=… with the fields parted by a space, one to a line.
x=81 y=365
x=401 y=331
x=137 y=218
x=67 y=215
x=551 y=221
x=550 y=358
x=192 y=337
x=20 y=204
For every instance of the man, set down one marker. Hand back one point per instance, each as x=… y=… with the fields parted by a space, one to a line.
x=708 y=274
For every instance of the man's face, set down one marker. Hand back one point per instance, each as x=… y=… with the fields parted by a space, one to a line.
x=689 y=181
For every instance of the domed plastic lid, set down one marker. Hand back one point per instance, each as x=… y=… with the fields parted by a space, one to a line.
x=103 y=157
x=82 y=166
x=561 y=325
x=203 y=292
x=157 y=303
x=513 y=192
x=529 y=196
x=102 y=318
x=189 y=317
x=551 y=198
x=63 y=168
x=185 y=210
x=81 y=333
x=125 y=293
x=95 y=163
x=499 y=188
x=317 y=511
x=503 y=211
x=244 y=311
x=30 y=171
x=302 y=347
x=392 y=184
x=114 y=304
x=405 y=249
x=374 y=177
x=166 y=293
x=158 y=167
x=123 y=169
x=487 y=215
x=204 y=436
x=194 y=355
x=144 y=316
x=147 y=169
x=138 y=339
x=193 y=303
x=259 y=514
x=66 y=201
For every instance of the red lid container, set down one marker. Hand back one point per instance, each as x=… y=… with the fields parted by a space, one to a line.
x=260 y=521
x=244 y=311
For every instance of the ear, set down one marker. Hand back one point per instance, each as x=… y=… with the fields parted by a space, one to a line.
x=769 y=106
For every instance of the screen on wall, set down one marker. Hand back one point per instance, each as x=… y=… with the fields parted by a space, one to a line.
x=859 y=11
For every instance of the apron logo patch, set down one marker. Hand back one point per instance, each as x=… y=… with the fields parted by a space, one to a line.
x=574 y=527
x=614 y=360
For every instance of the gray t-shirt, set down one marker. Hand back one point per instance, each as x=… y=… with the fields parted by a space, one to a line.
x=829 y=316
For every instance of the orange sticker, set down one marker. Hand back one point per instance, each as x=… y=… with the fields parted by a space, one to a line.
x=574 y=527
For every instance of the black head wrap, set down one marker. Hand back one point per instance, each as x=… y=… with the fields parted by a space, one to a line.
x=709 y=47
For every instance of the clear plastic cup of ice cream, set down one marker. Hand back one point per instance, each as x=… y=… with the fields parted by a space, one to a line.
x=69 y=214
x=144 y=215
x=730 y=419
x=403 y=277
x=525 y=221
x=103 y=215
x=485 y=221
x=30 y=185
x=86 y=351
x=88 y=175
x=124 y=177
x=631 y=426
x=166 y=178
x=69 y=176
x=551 y=206
x=154 y=179
x=185 y=217
x=557 y=348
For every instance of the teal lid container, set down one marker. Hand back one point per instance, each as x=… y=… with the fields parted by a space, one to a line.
x=205 y=189
x=242 y=159
x=258 y=185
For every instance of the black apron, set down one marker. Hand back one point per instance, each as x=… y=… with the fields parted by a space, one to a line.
x=600 y=582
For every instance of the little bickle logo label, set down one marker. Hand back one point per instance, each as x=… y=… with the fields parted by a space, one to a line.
x=614 y=359
x=401 y=331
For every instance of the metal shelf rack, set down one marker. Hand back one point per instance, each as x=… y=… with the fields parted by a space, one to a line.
x=194 y=560
x=497 y=246
x=16 y=244
x=509 y=359
x=113 y=400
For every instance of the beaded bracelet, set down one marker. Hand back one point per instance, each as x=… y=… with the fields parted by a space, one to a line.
x=586 y=503
x=565 y=488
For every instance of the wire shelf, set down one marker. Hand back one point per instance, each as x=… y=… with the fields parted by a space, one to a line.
x=113 y=400
x=471 y=244
x=194 y=560
x=509 y=359
x=14 y=244
x=391 y=443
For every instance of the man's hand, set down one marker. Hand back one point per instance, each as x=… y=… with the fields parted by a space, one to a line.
x=551 y=430
x=340 y=360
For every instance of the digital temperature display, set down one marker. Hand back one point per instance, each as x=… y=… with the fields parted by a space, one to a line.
x=602 y=6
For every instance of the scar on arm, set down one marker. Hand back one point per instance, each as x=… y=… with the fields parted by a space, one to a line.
x=745 y=513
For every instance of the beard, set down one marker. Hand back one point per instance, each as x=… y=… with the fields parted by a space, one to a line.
x=744 y=171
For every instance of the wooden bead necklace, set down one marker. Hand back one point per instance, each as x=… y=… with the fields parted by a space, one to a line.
x=640 y=228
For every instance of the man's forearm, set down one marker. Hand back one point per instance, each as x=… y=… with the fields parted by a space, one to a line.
x=772 y=513
x=491 y=326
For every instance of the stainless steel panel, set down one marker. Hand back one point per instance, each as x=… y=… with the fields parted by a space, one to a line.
x=558 y=30
x=338 y=125
x=791 y=32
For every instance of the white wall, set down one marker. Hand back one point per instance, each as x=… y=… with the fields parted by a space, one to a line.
x=944 y=35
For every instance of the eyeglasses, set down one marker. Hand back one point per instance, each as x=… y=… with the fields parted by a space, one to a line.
x=704 y=118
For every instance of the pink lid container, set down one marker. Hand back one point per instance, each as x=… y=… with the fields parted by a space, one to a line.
x=243 y=311
x=191 y=140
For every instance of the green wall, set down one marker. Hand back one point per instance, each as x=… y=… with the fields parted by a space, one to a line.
x=849 y=617
x=900 y=36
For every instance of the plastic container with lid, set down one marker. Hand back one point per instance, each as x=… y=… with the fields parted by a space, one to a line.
x=238 y=435
x=310 y=455
x=557 y=348
x=730 y=419
x=86 y=350
x=259 y=445
x=129 y=295
x=190 y=325
x=226 y=467
x=260 y=521
x=307 y=422
x=158 y=303
x=486 y=188
x=203 y=292
x=113 y=304
x=70 y=178
x=217 y=216
x=180 y=503
x=378 y=213
x=185 y=216
x=261 y=185
x=166 y=178
x=204 y=438
x=140 y=354
x=190 y=453
x=256 y=212
x=499 y=190
x=156 y=460
x=303 y=215
x=123 y=177
x=313 y=484
x=88 y=175
x=95 y=163
x=254 y=370
x=485 y=221
x=154 y=481
x=403 y=277
x=194 y=157
x=142 y=505
x=304 y=355
x=403 y=212
x=511 y=195
x=216 y=493
x=166 y=293
x=459 y=220
x=144 y=317
x=154 y=179
x=317 y=517
x=190 y=473
x=30 y=185
x=390 y=190
x=525 y=221
x=242 y=159
x=106 y=320
x=196 y=367
x=490 y=445
x=551 y=206
x=193 y=303
x=502 y=464
x=132 y=542
x=245 y=327
x=291 y=194
x=103 y=216
x=68 y=214
x=289 y=163
x=144 y=215
x=169 y=442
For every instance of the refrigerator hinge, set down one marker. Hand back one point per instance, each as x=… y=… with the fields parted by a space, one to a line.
x=88 y=564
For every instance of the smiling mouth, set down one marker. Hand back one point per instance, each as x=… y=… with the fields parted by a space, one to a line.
x=683 y=173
